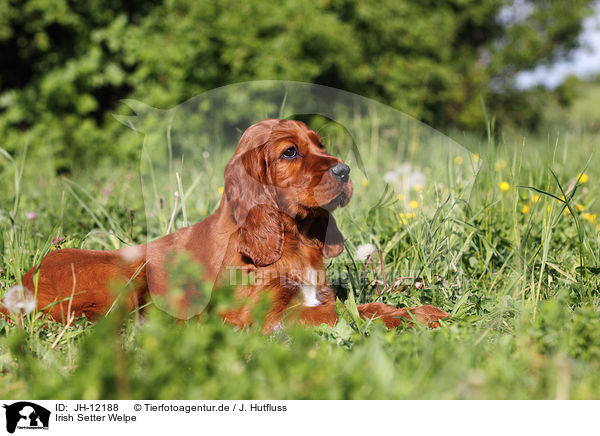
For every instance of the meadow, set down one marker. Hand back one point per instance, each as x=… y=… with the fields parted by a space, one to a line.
x=513 y=255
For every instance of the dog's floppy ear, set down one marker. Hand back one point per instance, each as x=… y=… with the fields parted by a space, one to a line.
x=260 y=225
x=262 y=234
x=246 y=184
x=250 y=195
x=325 y=230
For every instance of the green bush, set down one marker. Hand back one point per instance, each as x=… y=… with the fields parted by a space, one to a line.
x=64 y=66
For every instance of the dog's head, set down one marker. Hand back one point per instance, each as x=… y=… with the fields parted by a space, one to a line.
x=281 y=169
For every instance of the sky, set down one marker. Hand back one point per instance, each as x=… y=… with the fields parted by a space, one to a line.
x=583 y=62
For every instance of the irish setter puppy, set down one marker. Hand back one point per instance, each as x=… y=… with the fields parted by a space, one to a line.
x=274 y=223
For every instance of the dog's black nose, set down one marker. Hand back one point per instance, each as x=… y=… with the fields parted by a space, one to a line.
x=340 y=171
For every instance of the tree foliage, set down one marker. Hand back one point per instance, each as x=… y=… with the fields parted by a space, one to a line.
x=65 y=65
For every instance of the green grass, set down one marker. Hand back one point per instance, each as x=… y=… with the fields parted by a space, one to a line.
x=516 y=269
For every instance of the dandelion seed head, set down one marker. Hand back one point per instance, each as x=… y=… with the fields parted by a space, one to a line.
x=391 y=177
x=404 y=169
x=19 y=300
x=364 y=251
x=416 y=178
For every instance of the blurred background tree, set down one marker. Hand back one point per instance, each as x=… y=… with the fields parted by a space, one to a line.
x=65 y=65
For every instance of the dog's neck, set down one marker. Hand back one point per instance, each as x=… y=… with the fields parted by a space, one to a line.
x=311 y=230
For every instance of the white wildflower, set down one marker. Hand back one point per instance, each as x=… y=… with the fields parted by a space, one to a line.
x=404 y=169
x=405 y=177
x=364 y=251
x=19 y=300
x=391 y=177
x=416 y=179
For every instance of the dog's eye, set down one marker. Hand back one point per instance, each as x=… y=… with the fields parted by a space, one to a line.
x=290 y=153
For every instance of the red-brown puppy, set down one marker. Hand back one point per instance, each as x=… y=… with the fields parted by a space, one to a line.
x=274 y=222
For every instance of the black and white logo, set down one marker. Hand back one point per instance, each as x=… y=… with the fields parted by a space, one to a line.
x=26 y=415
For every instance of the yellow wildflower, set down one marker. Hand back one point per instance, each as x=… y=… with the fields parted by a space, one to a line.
x=475 y=158
x=583 y=178
x=364 y=182
x=458 y=160
x=413 y=204
x=590 y=217
x=500 y=164
x=536 y=198
x=400 y=197
x=579 y=207
x=405 y=217
x=220 y=190
x=504 y=186
x=526 y=208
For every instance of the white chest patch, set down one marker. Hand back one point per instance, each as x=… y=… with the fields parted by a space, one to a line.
x=310 y=288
